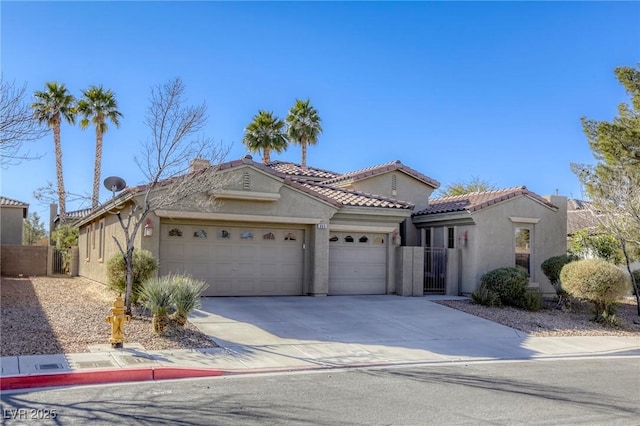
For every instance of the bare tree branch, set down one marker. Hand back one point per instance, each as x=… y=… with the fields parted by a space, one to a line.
x=17 y=124
x=166 y=158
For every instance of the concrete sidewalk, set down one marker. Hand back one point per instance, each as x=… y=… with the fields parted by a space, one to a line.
x=282 y=334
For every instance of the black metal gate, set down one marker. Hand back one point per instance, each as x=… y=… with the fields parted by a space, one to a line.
x=59 y=266
x=435 y=270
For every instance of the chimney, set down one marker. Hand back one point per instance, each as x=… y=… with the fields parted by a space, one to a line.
x=198 y=164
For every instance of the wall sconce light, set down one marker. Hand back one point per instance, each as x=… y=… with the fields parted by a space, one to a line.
x=148 y=228
x=464 y=237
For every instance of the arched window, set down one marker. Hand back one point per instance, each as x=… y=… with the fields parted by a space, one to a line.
x=224 y=234
x=246 y=235
x=363 y=239
x=348 y=239
x=334 y=238
x=269 y=236
x=175 y=232
x=290 y=236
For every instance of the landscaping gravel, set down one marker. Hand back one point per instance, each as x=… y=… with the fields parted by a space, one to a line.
x=49 y=315
x=551 y=321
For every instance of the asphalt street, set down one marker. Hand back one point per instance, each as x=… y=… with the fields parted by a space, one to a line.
x=580 y=391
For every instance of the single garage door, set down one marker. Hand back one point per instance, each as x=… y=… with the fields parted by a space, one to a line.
x=357 y=263
x=235 y=261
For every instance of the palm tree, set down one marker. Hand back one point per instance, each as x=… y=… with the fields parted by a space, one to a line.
x=98 y=106
x=265 y=133
x=52 y=105
x=303 y=126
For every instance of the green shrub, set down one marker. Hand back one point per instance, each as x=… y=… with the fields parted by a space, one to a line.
x=532 y=299
x=65 y=236
x=156 y=294
x=186 y=295
x=484 y=296
x=510 y=284
x=144 y=265
x=553 y=266
x=597 y=281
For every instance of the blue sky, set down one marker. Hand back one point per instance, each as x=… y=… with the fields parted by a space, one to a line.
x=454 y=90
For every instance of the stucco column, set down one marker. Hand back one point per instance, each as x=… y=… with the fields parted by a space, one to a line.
x=320 y=260
x=50 y=260
x=74 y=263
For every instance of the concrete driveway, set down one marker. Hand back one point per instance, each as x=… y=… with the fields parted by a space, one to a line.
x=352 y=330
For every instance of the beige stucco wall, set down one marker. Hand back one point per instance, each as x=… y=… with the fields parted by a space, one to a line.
x=24 y=260
x=292 y=208
x=11 y=221
x=407 y=188
x=91 y=264
x=491 y=242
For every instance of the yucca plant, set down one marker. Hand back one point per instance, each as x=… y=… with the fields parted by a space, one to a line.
x=156 y=295
x=186 y=296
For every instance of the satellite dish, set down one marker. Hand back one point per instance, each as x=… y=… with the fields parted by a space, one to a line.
x=115 y=184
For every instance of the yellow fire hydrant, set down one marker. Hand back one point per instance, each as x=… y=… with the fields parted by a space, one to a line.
x=117 y=320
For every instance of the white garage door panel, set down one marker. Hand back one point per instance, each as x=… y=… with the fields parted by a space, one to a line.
x=357 y=263
x=265 y=262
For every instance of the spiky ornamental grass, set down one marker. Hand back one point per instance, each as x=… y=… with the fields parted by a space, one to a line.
x=156 y=295
x=186 y=296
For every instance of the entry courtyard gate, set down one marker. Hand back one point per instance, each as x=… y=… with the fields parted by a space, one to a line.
x=435 y=270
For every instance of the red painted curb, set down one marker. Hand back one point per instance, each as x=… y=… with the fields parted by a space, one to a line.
x=104 y=376
x=168 y=373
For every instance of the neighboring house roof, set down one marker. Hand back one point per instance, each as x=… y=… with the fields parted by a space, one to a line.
x=380 y=169
x=293 y=169
x=344 y=197
x=75 y=214
x=10 y=202
x=475 y=201
x=581 y=215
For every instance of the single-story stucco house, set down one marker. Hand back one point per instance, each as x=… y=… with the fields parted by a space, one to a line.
x=283 y=229
x=483 y=231
x=12 y=215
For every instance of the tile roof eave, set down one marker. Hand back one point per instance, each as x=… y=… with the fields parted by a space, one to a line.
x=10 y=202
x=501 y=196
x=314 y=188
x=381 y=169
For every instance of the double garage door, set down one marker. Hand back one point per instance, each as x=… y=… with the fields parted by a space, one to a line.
x=263 y=261
x=235 y=261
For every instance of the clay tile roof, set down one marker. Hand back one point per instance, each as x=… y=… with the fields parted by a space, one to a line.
x=10 y=202
x=474 y=201
x=380 y=169
x=79 y=214
x=342 y=197
x=581 y=215
x=293 y=169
